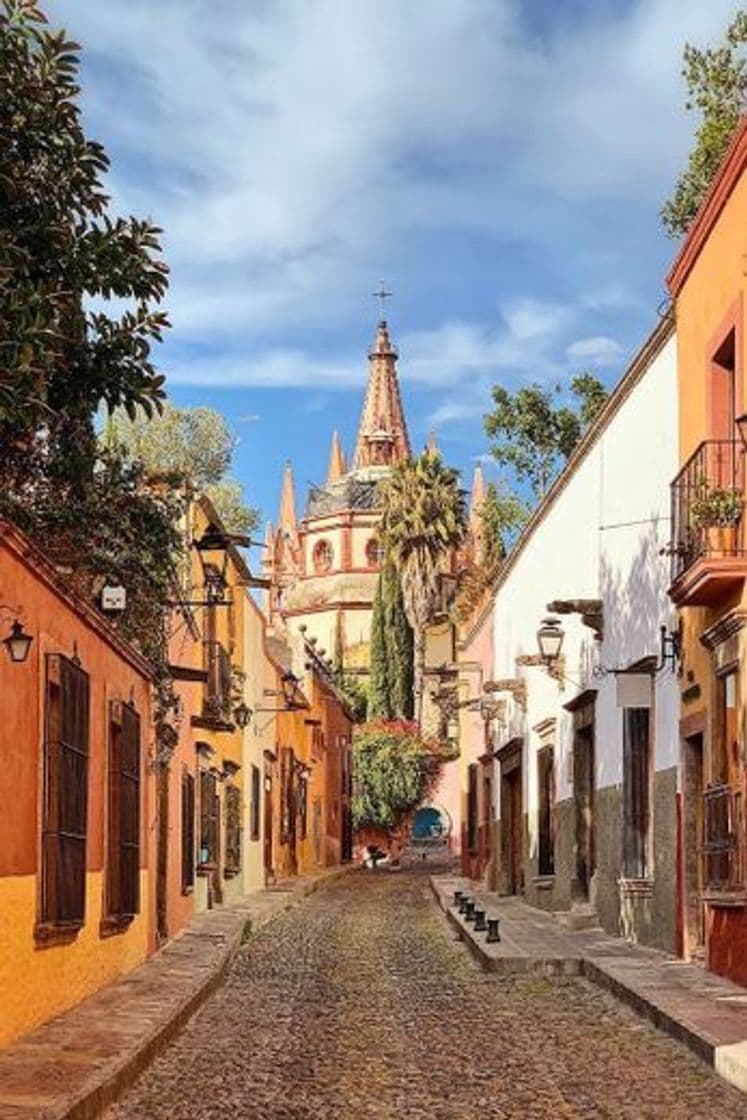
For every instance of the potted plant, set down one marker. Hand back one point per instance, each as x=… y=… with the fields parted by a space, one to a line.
x=717 y=511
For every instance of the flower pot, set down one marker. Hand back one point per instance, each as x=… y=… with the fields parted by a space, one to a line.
x=721 y=540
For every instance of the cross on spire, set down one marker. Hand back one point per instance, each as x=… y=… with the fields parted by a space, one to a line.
x=382 y=296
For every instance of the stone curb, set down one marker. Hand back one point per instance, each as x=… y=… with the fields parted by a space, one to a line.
x=729 y=1060
x=110 y=1079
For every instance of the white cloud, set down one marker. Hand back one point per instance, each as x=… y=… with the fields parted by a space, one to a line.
x=597 y=351
x=291 y=150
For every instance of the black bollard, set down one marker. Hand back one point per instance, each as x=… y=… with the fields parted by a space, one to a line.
x=463 y=903
x=480 y=926
x=493 y=930
x=458 y=895
x=469 y=913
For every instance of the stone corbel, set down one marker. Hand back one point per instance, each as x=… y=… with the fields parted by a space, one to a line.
x=514 y=685
x=555 y=668
x=591 y=611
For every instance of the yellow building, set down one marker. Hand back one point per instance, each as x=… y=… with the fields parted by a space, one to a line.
x=709 y=570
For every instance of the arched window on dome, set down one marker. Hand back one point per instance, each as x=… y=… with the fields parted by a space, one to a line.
x=322 y=556
x=374 y=553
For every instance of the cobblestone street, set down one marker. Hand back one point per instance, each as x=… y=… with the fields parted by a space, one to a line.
x=359 y=1004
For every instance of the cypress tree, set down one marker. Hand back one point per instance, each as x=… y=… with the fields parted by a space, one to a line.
x=400 y=646
x=380 y=684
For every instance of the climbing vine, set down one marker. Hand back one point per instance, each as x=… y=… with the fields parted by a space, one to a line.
x=395 y=770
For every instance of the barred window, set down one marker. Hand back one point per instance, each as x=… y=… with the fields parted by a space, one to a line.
x=65 y=808
x=636 y=792
x=123 y=839
x=209 y=818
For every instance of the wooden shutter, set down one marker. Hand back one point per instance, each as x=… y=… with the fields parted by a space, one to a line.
x=65 y=808
x=188 y=831
x=123 y=855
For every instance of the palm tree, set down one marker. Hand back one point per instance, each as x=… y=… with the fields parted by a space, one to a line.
x=423 y=521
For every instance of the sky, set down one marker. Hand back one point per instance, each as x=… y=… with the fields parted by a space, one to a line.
x=499 y=164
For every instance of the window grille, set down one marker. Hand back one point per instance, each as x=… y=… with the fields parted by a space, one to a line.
x=233 y=830
x=209 y=809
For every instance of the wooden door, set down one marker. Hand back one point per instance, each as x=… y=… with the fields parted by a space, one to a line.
x=583 y=793
x=268 y=828
x=516 y=846
x=162 y=929
x=316 y=830
x=692 y=839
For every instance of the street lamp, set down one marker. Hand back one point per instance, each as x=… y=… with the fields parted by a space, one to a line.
x=18 y=642
x=242 y=713
x=213 y=549
x=550 y=639
x=290 y=683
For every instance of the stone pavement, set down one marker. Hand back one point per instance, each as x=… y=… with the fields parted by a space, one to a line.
x=700 y=1009
x=362 y=1004
x=74 y=1066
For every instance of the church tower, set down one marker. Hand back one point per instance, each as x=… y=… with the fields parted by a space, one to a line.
x=324 y=568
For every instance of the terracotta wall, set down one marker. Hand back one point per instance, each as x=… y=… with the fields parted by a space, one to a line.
x=38 y=981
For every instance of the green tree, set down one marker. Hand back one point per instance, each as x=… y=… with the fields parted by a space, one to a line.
x=503 y=516
x=534 y=432
x=392 y=669
x=716 y=80
x=423 y=521
x=63 y=259
x=193 y=445
x=395 y=770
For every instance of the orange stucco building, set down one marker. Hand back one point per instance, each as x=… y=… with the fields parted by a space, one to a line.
x=708 y=282
x=308 y=779
x=77 y=889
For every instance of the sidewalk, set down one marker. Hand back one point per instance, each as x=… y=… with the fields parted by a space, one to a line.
x=76 y=1065
x=705 y=1012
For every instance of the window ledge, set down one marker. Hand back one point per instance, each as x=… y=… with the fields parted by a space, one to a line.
x=231 y=873
x=736 y=898
x=47 y=934
x=544 y=882
x=114 y=924
x=643 y=887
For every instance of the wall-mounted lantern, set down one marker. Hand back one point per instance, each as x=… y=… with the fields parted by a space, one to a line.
x=18 y=643
x=242 y=714
x=550 y=640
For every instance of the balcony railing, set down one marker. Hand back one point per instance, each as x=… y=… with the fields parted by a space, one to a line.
x=218 y=693
x=707 y=489
x=723 y=839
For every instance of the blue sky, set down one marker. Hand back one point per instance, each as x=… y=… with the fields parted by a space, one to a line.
x=499 y=164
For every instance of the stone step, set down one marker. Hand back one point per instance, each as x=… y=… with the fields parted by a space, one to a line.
x=580 y=916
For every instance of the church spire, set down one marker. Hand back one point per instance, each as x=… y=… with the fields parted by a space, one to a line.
x=337 y=466
x=382 y=433
x=287 y=522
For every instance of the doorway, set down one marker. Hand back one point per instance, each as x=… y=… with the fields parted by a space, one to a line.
x=692 y=842
x=583 y=796
x=268 y=827
x=512 y=818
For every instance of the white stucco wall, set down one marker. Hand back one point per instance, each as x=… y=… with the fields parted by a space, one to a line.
x=599 y=539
